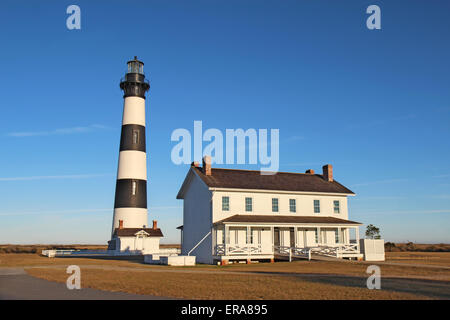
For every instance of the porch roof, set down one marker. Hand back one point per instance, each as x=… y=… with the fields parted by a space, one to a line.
x=239 y=218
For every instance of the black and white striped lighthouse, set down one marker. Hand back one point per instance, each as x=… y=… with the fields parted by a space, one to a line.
x=130 y=205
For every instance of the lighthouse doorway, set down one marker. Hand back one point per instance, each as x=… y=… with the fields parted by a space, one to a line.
x=139 y=242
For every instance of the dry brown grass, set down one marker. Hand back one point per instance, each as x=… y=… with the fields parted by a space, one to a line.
x=37 y=248
x=352 y=268
x=416 y=247
x=237 y=281
x=345 y=268
x=215 y=286
x=428 y=258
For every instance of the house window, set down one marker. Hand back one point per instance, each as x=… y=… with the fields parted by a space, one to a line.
x=292 y=205
x=135 y=136
x=225 y=203
x=316 y=206
x=316 y=235
x=274 y=204
x=248 y=204
x=336 y=206
x=133 y=188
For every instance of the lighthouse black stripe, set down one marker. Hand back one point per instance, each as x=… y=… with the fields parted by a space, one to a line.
x=129 y=196
x=132 y=137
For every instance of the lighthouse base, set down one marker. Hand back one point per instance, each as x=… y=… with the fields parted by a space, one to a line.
x=135 y=241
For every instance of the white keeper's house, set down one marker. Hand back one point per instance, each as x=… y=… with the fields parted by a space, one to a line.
x=242 y=215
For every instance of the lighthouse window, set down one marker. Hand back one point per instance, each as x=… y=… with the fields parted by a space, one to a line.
x=133 y=188
x=135 y=136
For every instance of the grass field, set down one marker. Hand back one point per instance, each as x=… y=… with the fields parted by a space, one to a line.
x=216 y=286
x=281 y=280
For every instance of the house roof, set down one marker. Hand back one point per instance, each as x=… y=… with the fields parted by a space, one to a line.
x=240 y=218
x=131 y=232
x=283 y=181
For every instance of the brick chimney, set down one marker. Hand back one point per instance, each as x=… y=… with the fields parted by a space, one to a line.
x=120 y=224
x=310 y=171
x=207 y=165
x=328 y=172
x=155 y=224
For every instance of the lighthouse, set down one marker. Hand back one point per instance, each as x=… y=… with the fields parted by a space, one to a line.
x=130 y=231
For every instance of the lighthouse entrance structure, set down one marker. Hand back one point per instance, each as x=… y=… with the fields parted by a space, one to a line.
x=130 y=233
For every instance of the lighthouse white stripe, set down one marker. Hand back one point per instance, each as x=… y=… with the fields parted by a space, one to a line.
x=132 y=165
x=132 y=217
x=134 y=111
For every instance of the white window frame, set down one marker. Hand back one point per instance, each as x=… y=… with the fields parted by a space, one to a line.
x=293 y=206
x=250 y=204
x=277 y=201
x=225 y=205
x=314 y=205
x=338 y=207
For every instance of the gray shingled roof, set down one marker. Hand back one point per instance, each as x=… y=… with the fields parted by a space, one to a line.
x=283 y=181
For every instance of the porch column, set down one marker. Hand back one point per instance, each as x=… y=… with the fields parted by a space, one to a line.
x=248 y=240
x=295 y=236
x=214 y=240
x=319 y=236
x=357 y=238
x=305 y=244
x=339 y=231
x=273 y=237
x=226 y=240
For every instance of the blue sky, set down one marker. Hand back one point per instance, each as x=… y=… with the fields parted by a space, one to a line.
x=374 y=103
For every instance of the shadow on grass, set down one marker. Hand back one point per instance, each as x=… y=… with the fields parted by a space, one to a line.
x=430 y=288
x=133 y=259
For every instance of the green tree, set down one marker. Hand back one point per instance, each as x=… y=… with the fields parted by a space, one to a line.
x=372 y=232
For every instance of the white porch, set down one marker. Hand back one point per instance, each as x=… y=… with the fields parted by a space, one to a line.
x=259 y=242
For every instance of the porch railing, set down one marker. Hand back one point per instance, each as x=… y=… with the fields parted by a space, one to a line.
x=292 y=252
x=227 y=249
x=337 y=251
